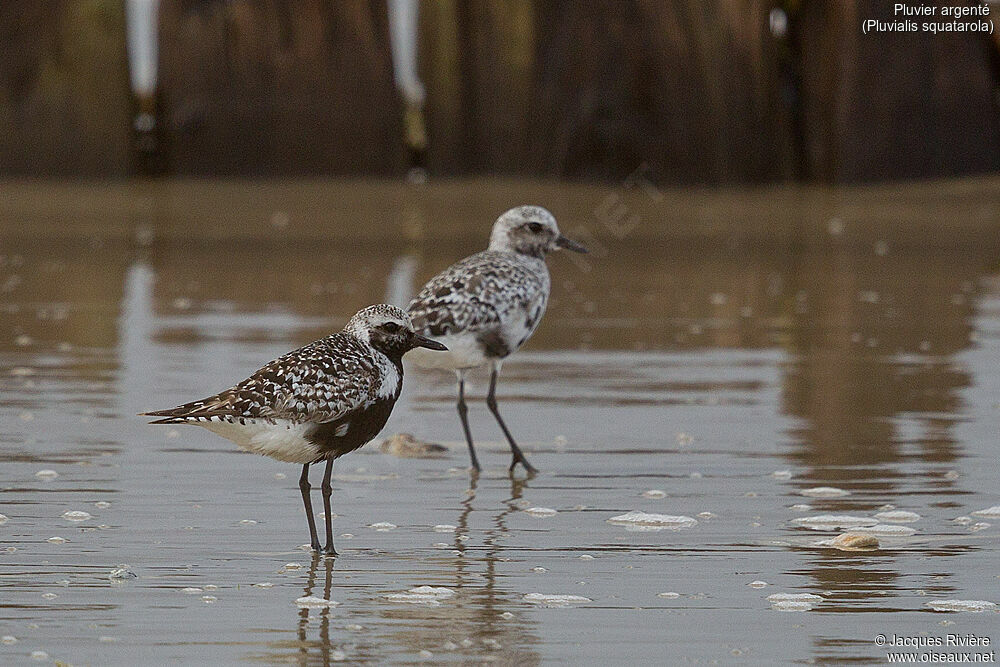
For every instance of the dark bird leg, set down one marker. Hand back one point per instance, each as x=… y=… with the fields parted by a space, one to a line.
x=491 y=403
x=463 y=414
x=307 y=501
x=327 y=490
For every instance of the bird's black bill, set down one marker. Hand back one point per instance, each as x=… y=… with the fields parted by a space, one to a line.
x=570 y=244
x=423 y=341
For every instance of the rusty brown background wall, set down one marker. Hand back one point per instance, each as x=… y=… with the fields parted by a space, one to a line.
x=700 y=91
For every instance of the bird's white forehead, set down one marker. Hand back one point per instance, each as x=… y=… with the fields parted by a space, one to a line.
x=522 y=214
x=373 y=316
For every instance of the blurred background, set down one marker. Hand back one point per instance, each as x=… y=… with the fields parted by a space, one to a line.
x=716 y=92
x=794 y=282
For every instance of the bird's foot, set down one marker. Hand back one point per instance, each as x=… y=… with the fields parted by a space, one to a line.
x=328 y=550
x=528 y=468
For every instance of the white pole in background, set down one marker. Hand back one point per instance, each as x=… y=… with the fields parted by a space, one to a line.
x=142 y=44
x=403 y=31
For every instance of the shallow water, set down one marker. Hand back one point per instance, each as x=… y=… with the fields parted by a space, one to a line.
x=719 y=360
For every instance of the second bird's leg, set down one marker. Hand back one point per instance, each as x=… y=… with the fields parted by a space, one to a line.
x=491 y=403
x=463 y=414
x=327 y=515
x=307 y=501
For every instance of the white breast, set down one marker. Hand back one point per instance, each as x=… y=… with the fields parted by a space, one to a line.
x=283 y=440
x=389 y=387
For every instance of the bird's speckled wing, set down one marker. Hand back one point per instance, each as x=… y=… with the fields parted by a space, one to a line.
x=479 y=293
x=318 y=383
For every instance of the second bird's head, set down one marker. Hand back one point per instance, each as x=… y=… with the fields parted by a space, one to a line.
x=530 y=230
x=389 y=330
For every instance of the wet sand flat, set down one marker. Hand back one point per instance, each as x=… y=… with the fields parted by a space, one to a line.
x=844 y=364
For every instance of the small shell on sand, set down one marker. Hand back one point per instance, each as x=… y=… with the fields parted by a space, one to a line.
x=853 y=541
x=405 y=446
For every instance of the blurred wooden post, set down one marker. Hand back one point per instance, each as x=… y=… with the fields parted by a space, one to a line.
x=141 y=35
x=403 y=15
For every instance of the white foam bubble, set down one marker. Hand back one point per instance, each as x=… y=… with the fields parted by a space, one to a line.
x=46 y=474
x=428 y=595
x=833 y=521
x=757 y=584
x=550 y=600
x=540 y=511
x=3 y=519
x=191 y=590
x=121 y=572
x=654 y=493
x=209 y=599
x=382 y=526
x=782 y=474
x=638 y=520
x=313 y=602
x=898 y=516
x=961 y=605
x=669 y=595
x=793 y=601
x=801 y=597
x=7 y=640
x=57 y=540
x=445 y=528
x=886 y=530
x=824 y=492
x=989 y=512
x=77 y=515
x=264 y=584
x=102 y=505
x=49 y=596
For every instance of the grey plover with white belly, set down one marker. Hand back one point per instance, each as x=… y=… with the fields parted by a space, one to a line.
x=315 y=403
x=486 y=306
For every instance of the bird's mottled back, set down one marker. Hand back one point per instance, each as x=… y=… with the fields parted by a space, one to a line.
x=316 y=383
x=481 y=292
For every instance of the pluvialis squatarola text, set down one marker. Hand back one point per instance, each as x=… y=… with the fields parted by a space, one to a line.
x=315 y=403
x=486 y=306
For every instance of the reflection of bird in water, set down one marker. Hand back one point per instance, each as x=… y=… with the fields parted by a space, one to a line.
x=486 y=306
x=316 y=403
x=324 y=628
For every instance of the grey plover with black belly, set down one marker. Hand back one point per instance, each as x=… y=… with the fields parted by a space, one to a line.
x=315 y=403
x=486 y=306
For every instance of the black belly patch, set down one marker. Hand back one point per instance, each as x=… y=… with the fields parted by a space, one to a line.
x=351 y=431
x=494 y=344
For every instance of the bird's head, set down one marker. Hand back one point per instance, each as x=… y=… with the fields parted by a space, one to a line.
x=389 y=330
x=530 y=230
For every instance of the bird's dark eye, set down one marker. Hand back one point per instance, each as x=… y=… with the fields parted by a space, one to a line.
x=535 y=228
x=391 y=327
